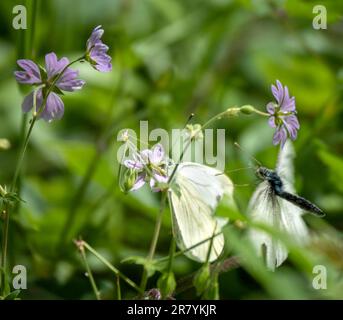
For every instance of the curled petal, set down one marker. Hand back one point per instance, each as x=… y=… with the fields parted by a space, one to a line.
x=31 y=73
x=139 y=182
x=97 y=51
x=157 y=154
x=146 y=156
x=280 y=136
x=54 y=108
x=292 y=125
x=278 y=91
x=132 y=164
x=271 y=108
x=157 y=178
x=69 y=82
x=95 y=37
x=271 y=122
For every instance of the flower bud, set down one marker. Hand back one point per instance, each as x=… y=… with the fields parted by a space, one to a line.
x=232 y=112
x=153 y=294
x=247 y=109
x=202 y=279
x=127 y=179
x=212 y=293
x=194 y=131
x=167 y=284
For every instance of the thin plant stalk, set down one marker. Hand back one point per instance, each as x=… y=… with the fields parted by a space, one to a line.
x=111 y=267
x=154 y=240
x=18 y=170
x=90 y=274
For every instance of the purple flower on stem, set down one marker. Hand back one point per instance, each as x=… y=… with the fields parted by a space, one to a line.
x=283 y=115
x=150 y=165
x=32 y=74
x=97 y=51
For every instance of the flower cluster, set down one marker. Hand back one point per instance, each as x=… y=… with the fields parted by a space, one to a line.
x=57 y=77
x=150 y=166
x=283 y=115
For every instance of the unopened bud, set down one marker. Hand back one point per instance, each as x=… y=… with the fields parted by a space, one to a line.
x=194 y=131
x=130 y=177
x=202 y=279
x=232 y=112
x=247 y=109
x=167 y=284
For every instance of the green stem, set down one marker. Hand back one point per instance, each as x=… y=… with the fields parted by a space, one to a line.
x=19 y=166
x=102 y=142
x=90 y=275
x=22 y=154
x=181 y=252
x=118 y=288
x=154 y=241
x=262 y=113
x=171 y=255
x=111 y=267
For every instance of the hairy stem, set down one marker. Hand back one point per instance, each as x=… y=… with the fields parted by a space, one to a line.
x=154 y=241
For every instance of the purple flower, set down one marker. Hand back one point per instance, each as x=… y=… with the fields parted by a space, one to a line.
x=283 y=115
x=32 y=74
x=150 y=165
x=97 y=51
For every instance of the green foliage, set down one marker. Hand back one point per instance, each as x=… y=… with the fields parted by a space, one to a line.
x=170 y=59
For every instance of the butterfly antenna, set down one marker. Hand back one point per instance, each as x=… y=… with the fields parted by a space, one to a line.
x=191 y=116
x=250 y=156
x=239 y=169
x=242 y=185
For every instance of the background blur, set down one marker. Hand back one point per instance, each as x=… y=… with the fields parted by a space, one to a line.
x=170 y=58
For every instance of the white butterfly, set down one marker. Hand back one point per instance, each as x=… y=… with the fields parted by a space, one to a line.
x=194 y=195
x=268 y=208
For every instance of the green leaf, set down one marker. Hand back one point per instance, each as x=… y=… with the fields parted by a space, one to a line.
x=12 y=295
x=335 y=165
x=151 y=266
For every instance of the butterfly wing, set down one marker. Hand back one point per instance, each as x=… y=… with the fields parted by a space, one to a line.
x=285 y=167
x=264 y=208
x=193 y=197
x=267 y=208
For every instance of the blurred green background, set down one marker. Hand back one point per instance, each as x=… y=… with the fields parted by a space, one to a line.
x=170 y=58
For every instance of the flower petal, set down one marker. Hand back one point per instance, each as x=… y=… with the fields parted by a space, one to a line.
x=139 y=182
x=146 y=156
x=292 y=125
x=27 y=104
x=95 y=37
x=157 y=154
x=54 y=108
x=69 y=82
x=131 y=164
x=54 y=66
x=97 y=51
x=271 y=108
x=278 y=91
x=31 y=73
x=280 y=136
x=271 y=122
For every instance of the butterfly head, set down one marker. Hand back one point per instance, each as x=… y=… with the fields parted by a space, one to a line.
x=263 y=173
